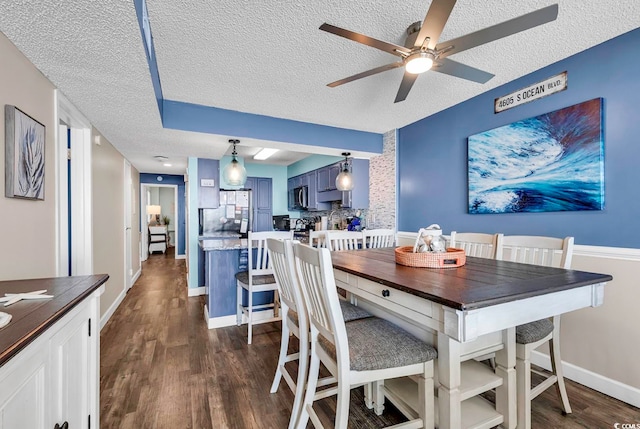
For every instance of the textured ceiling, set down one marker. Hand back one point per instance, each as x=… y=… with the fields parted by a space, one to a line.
x=270 y=58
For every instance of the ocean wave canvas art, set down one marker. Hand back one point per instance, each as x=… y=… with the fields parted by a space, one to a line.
x=552 y=162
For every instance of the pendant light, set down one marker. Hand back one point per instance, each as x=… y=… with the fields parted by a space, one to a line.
x=344 y=181
x=234 y=173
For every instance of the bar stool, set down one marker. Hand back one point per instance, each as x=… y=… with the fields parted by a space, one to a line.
x=296 y=322
x=258 y=278
x=358 y=352
x=550 y=252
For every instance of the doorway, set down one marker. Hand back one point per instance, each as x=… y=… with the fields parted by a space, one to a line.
x=165 y=196
x=74 y=239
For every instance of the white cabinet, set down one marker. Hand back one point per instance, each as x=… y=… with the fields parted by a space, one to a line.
x=55 y=379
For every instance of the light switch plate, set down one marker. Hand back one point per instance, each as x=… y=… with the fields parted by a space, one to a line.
x=208 y=183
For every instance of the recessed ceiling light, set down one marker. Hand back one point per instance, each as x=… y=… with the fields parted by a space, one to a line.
x=264 y=153
x=166 y=164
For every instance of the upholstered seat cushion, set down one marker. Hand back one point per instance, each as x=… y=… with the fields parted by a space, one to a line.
x=352 y=312
x=375 y=343
x=349 y=312
x=267 y=279
x=534 y=331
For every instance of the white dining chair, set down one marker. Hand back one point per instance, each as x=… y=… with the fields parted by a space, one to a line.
x=475 y=244
x=258 y=278
x=551 y=252
x=295 y=321
x=378 y=238
x=317 y=238
x=343 y=240
x=359 y=352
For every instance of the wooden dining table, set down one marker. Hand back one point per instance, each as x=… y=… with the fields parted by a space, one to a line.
x=467 y=312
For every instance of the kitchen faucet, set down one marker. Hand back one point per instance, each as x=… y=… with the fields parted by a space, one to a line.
x=331 y=226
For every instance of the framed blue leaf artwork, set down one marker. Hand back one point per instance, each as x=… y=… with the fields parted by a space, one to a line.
x=24 y=155
x=552 y=162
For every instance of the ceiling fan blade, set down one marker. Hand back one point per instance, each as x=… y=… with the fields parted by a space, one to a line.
x=434 y=22
x=365 y=74
x=498 y=31
x=405 y=86
x=366 y=40
x=454 y=68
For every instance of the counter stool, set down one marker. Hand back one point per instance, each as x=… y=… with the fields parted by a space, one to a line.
x=358 y=352
x=296 y=322
x=258 y=278
x=550 y=252
x=378 y=238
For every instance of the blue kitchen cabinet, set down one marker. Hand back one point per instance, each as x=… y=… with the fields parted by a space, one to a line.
x=208 y=183
x=262 y=195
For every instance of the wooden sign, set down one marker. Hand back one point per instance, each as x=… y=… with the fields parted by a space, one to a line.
x=538 y=90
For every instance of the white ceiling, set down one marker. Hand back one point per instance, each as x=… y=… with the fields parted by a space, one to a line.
x=268 y=57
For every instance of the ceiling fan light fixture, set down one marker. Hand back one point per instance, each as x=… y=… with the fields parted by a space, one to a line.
x=419 y=62
x=234 y=173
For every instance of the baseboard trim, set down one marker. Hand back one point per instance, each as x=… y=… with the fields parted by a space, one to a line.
x=226 y=321
x=181 y=256
x=197 y=291
x=136 y=276
x=112 y=309
x=600 y=383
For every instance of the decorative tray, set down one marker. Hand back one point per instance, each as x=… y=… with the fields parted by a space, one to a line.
x=452 y=258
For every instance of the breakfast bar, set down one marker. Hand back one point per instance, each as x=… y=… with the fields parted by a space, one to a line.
x=468 y=312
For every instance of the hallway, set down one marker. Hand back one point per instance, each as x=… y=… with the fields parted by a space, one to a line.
x=162 y=368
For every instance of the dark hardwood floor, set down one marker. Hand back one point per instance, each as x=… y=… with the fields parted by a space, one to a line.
x=162 y=368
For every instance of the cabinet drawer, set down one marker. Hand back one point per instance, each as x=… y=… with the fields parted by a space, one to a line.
x=391 y=295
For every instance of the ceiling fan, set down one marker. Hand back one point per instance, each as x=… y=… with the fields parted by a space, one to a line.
x=421 y=50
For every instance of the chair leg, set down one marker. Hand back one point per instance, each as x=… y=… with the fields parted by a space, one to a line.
x=284 y=345
x=314 y=369
x=239 y=306
x=556 y=367
x=249 y=315
x=368 y=396
x=301 y=381
x=342 y=406
x=378 y=397
x=523 y=386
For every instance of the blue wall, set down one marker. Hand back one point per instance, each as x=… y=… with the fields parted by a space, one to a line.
x=432 y=153
x=171 y=179
x=310 y=163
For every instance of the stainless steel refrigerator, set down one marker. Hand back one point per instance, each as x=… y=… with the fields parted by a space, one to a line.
x=234 y=216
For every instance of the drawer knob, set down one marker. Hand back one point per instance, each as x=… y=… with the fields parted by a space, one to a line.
x=385 y=293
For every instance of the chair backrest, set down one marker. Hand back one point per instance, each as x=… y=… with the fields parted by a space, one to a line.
x=377 y=238
x=317 y=239
x=475 y=244
x=257 y=248
x=529 y=249
x=315 y=274
x=284 y=271
x=343 y=240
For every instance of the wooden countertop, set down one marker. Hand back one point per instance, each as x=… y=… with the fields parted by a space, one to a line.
x=479 y=283
x=33 y=317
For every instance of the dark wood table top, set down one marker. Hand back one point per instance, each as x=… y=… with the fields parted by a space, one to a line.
x=479 y=283
x=32 y=317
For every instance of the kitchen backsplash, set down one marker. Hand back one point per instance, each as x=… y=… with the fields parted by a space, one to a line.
x=339 y=216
